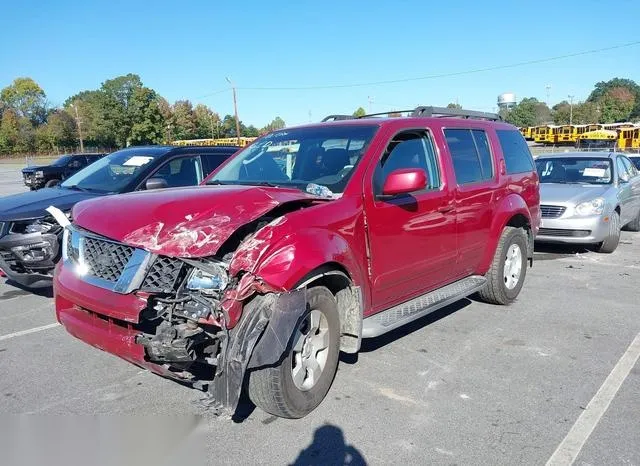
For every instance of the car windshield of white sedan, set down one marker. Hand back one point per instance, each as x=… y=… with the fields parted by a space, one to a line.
x=573 y=170
x=318 y=160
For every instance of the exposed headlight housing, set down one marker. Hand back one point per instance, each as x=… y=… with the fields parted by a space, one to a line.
x=39 y=174
x=39 y=226
x=214 y=278
x=594 y=207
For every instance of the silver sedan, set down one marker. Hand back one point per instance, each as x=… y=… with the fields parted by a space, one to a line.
x=587 y=198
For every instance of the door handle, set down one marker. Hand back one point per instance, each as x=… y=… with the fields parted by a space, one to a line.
x=445 y=208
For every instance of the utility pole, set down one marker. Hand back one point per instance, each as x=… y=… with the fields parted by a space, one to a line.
x=370 y=99
x=235 y=108
x=212 y=135
x=79 y=124
x=571 y=109
x=548 y=88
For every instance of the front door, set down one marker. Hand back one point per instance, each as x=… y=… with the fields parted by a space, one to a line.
x=412 y=237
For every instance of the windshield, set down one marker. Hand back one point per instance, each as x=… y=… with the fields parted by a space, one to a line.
x=62 y=161
x=114 y=172
x=319 y=160
x=574 y=170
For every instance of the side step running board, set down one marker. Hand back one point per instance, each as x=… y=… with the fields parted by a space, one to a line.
x=394 y=317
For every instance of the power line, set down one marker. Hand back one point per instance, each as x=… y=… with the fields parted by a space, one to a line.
x=442 y=75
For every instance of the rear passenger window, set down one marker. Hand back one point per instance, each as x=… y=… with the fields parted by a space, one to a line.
x=517 y=156
x=471 y=155
x=410 y=149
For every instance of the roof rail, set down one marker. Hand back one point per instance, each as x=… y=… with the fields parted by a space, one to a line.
x=454 y=112
x=426 y=112
x=338 y=117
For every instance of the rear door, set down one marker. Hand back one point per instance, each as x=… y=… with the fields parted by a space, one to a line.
x=625 y=191
x=411 y=237
x=476 y=185
x=634 y=182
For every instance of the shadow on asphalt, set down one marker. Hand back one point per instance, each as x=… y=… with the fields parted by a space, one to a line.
x=549 y=251
x=329 y=447
x=22 y=291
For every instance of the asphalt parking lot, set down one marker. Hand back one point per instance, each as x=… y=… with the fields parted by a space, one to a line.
x=471 y=384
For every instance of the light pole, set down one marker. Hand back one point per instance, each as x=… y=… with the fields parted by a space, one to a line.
x=548 y=88
x=212 y=135
x=235 y=108
x=79 y=124
x=570 y=109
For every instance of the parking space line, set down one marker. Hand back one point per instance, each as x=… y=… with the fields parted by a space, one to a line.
x=568 y=450
x=28 y=331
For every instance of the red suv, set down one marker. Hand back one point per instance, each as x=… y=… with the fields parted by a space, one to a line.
x=299 y=246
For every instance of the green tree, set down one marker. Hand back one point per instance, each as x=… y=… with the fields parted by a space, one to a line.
x=454 y=105
x=26 y=98
x=184 y=123
x=116 y=105
x=148 y=121
x=251 y=132
x=601 y=88
x=360 y=112
x=61 y=130
x=616 y=105
x=8 y=131
x=528 y=112
x=276 y=123
x=561 y=113
x=585 y=113
x=98 y=129
x=207 y=122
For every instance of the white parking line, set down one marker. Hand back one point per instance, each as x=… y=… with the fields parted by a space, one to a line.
x=27 y=332
x=568 y=450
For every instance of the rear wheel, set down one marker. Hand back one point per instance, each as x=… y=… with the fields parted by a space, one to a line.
x=51 y=183
x=610 y=244
x=508 y=269
x=298 y=384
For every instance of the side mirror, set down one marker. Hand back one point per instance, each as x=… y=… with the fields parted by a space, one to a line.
x=156 y=183
x=404 y=181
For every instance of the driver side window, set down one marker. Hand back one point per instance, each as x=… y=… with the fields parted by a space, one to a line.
x=183 y=171
x=623 y=174
x=410 y=149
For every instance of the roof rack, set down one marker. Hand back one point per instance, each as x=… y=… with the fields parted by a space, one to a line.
x=425 y=112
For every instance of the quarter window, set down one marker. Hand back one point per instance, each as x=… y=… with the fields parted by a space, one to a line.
x=517 y=156
x=411 y=149
x=471 y=155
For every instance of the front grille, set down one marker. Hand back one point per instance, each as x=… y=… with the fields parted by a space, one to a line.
x=564 y=233
x=552 y=211
x=163 y=274
x=104 y=259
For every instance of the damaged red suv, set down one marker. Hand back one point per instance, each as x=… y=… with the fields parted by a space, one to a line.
x=298 y=247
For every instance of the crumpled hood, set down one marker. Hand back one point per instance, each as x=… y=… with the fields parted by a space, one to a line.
x=32 y=204
x=557 y=193
x=181 y=222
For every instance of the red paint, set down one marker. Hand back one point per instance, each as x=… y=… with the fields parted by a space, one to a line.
x=189 y=222
x=404 y=180
x=394 y=249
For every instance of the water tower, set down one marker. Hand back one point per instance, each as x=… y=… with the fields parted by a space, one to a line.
x=506 y=101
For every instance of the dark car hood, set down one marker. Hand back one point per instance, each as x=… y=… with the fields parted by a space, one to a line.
x=32 y=204
x=181 y=222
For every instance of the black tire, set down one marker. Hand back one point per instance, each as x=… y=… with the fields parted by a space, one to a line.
x=51 y=183
x=634 y=225
x=611 y=243
x=272 y=388
x=496 y=291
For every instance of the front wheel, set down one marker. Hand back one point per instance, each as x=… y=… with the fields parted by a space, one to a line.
x=508 y=269
x=51 y=183
x=298 y=384
x=610 y=244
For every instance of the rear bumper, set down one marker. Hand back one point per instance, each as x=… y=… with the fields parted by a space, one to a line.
x=96 y=316
x=583 y=230
x=15 y=250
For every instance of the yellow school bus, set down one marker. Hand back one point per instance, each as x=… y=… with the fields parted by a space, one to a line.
x=527 y=132
x=625 y=137
x=242 y=142
x=567 y=134
x=598 y=139
x=545 y=134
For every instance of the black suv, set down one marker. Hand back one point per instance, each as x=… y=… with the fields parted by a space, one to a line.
x=30 y=238
x=47 y=176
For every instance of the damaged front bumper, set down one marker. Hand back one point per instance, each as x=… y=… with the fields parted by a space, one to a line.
x=208 y=357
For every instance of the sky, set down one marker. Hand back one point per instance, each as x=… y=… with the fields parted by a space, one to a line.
x=185 y=50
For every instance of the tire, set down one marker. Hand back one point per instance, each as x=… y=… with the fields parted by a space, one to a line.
x=634 y=225
x=503 y=288
x=51 y=183
x=610 y=244
x=273 y=388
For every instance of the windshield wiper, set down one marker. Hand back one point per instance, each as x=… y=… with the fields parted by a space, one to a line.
x=215 y=182
x=75 y=187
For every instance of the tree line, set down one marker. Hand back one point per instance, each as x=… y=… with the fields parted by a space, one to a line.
x=613 y=101
x=120 y=113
